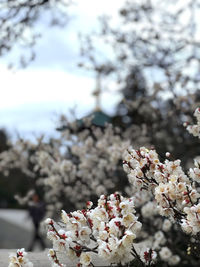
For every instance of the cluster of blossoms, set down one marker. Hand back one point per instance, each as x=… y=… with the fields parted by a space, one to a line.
x=159 y=244
x=175 y=192
x=19 y=259
x=195 y=129
x=78 y=165
x=109 y=230
x=86 y=169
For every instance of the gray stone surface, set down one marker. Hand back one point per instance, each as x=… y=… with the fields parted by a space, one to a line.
x=39 y=259
x=13 y=236
x=16 y=230
x=18 y=217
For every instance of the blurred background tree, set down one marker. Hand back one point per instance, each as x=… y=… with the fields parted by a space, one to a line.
x=154 y=57
x=19 y=23
x=158 y=38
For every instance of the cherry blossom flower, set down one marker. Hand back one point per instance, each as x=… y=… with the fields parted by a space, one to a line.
x=108 y=230
x=19 y=259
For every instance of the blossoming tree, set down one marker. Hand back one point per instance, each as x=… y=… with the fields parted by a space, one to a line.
x=111 y=229
x=160 y=222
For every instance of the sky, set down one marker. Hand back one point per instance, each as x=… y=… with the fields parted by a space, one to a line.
x=32 y=98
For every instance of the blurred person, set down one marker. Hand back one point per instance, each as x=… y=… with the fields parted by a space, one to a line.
x=36 y=211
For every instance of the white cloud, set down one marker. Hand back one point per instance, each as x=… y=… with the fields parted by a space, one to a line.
x=37 y=86
x=30 y=99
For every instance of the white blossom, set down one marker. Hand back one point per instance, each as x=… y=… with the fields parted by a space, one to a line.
x=112 y=225
x=19 y=259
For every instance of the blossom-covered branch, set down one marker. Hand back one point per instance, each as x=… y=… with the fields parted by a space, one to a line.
x=109 y=231
x=19 y=259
